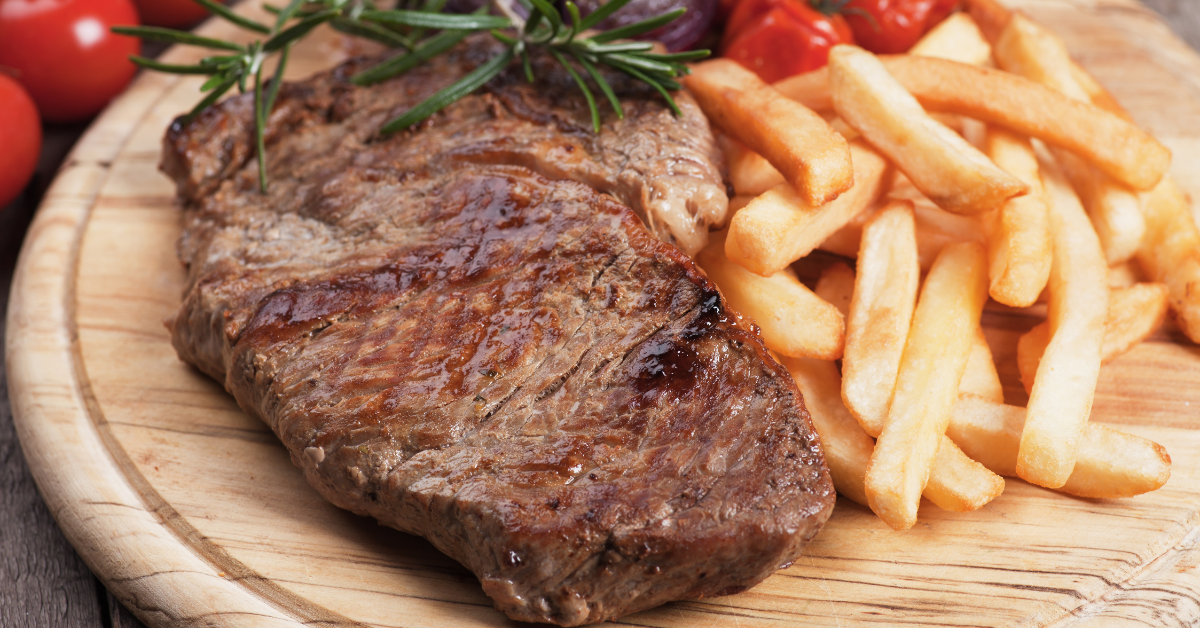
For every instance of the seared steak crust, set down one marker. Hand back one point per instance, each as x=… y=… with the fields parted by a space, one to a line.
x=453 y=332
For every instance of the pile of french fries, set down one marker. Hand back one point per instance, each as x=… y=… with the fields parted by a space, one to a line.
x=985 y=163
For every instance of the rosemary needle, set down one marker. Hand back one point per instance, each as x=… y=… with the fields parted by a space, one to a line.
x=545 y=28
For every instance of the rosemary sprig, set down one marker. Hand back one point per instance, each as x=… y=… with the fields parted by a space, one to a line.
x=409 y=28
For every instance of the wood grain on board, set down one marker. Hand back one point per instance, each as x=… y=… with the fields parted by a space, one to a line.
x=191 y=512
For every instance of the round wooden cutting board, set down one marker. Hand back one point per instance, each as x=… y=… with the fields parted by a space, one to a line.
x=192 y=513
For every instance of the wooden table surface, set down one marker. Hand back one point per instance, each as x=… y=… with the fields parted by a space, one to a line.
x=43 y=582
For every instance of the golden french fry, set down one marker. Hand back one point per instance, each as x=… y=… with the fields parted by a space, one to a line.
x=935 y=356
x=836 y=286
x=1113 y=464
x=1030 y=347
x=938 y=161
x=1115 y=210
x=989 y=15
x=738 y=202
x=1105 y=139
x=1123 y=275
x=810 y=89
x=845 y=241
x=779 y=227
x=1125 y=329
x=843 y=129
x=958 y=483
x=981 y=377
x=1018 y=233
x=955 y=483
x=881 y=311
x=794 y=321
x=1170 y=253
x=1028 y=49
x=797 y=141
x=957 y=38
x=936 y=228
x=847 y=447
x=1061 y=398
x=749 y=172
x=1110 y=464
x=1134 y=312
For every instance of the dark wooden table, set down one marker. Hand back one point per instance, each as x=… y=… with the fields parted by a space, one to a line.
x=43 y=582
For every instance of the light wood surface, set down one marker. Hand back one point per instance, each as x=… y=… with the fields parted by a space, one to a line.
x=191 y=512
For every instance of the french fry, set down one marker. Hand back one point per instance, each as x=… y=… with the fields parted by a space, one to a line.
x=749 y=172
x=956 y=482
x=936 y=228
x=836 y=286
x=847 y=447
x=1110 y=464
x=935 y=356
x=1170 y=249
x=957 y=38
x=794 y=321
x=1018 y=233
x=939 y=162
x=1105 y=139
x=1061 y=397
x=779 y=227
x=885 y=295
x=1123 y=275
x=738 y=202
x=1134 y=312
x=1115 y=210
x=845 y=241
x=1030 y=348
x=810 y=89
x=989 y=15
x=1170 y=253
x=1113 y=464
x=981 y=377
x=1027 y=49
x=797 y=141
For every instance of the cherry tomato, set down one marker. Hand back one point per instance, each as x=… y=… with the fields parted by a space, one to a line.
x=21 y=137
x=63 y=53
x=780 y=38
x=170 y=13
x=893 y=26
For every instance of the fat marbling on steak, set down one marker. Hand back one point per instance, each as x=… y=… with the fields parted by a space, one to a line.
x=464 y=331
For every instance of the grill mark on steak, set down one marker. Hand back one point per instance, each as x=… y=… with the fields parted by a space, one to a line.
x=463 y=332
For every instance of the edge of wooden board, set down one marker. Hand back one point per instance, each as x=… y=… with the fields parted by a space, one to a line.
x=158 y=564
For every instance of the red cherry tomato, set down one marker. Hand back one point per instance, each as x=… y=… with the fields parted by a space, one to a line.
x=170 y=13
x=63 y=53
x=893 y=26
x=780 y=38
x=20 y=137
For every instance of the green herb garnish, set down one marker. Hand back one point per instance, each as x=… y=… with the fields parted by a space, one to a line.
x=425 y=31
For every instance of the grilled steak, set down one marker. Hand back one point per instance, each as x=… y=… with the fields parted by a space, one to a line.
x=453 y=330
